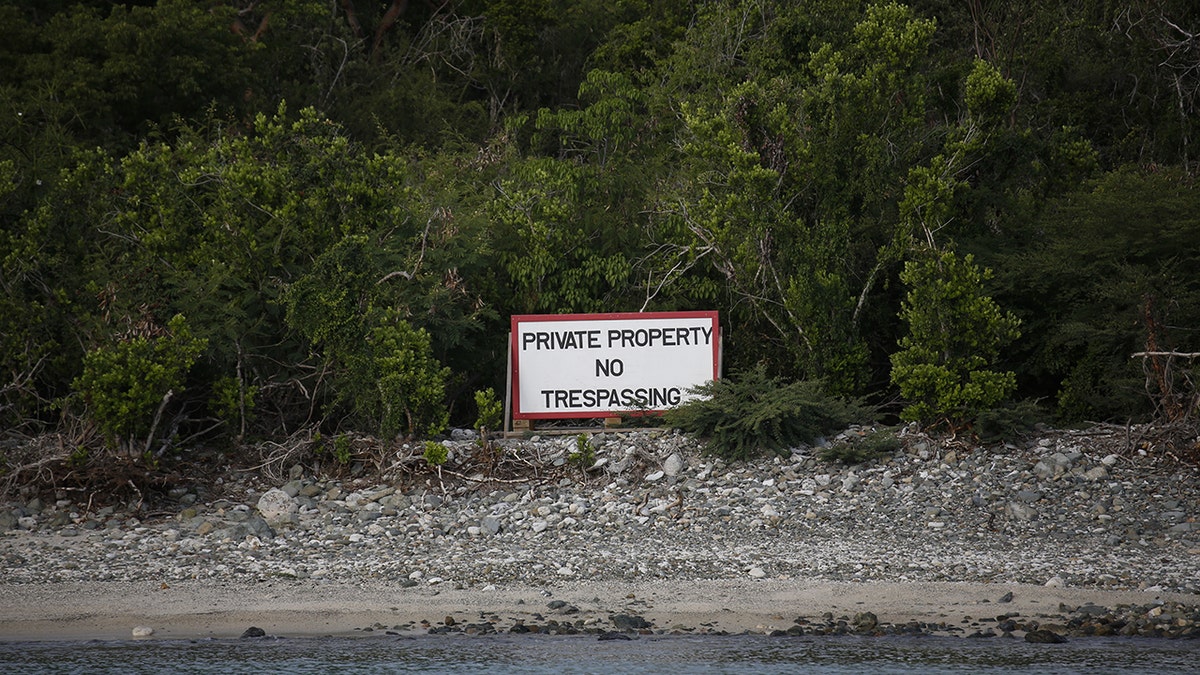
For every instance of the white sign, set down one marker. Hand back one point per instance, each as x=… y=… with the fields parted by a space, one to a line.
x=599 y=365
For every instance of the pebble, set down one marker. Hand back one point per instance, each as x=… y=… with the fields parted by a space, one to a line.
x=1070 y=509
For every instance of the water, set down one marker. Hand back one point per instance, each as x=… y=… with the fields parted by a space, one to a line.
x=561 y=655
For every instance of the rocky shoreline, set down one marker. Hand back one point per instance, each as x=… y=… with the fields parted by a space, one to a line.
x=1069 y=510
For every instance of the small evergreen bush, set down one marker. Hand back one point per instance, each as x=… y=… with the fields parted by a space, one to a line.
x=1007 y=421
x=859 y=449
x=743 y=416
x=584 y=455
x=435 y=454
x=491 y=412
x=125 y=382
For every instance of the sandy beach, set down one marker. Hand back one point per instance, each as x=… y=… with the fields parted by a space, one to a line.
x=111 y=610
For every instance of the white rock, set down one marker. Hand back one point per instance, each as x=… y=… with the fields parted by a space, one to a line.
x=673 y=465
x=757 y=573
x=651 y=477
x=1055 y=582
x=142 y=631
x=276 y=504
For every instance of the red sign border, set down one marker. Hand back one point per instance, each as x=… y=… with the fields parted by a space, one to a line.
x=614 y=316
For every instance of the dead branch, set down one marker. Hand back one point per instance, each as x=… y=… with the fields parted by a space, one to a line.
x=157 y=417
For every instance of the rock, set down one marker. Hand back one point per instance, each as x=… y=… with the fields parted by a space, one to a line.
x=490 y=525
x=628 y=622
x=1043 y=469
x=757 y=573
x=657 y=475
x=142 y=631
x=865 y=621
x=276 y=504
x=673 y=465
x=253 y=632
x=1044 y=636
x=259 y=527
x=8 y=520
x=1022 y=512
x=1007 y=597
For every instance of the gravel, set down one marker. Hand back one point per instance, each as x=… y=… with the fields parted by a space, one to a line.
x=1073 y=509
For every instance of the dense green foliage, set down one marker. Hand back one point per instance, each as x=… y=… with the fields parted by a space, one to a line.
x=955 y=334
x=744 y=415
x=348 y=200
x=859 y=448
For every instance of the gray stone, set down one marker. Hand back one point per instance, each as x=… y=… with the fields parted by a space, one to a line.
x=865 y=621
x=1044 y=636
x=276 y=504
x=1021 y=511
x=380 y=494
x=490 y=525
x=1043 y=469
x=673 y=464
x=259 y=527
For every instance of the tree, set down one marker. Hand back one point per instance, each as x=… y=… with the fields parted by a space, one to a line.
x=955 y=333
x=225 y=226
x=787 y=184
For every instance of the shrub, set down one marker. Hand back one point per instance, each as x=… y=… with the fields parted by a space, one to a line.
x=743 y=416
x=342 y=452
x=435 y=453
x=411 y=387
x=126 y=384
x=956 y=332
x=490 y=410
x=1003 y=422
x=584 y=455
x=859 y=449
